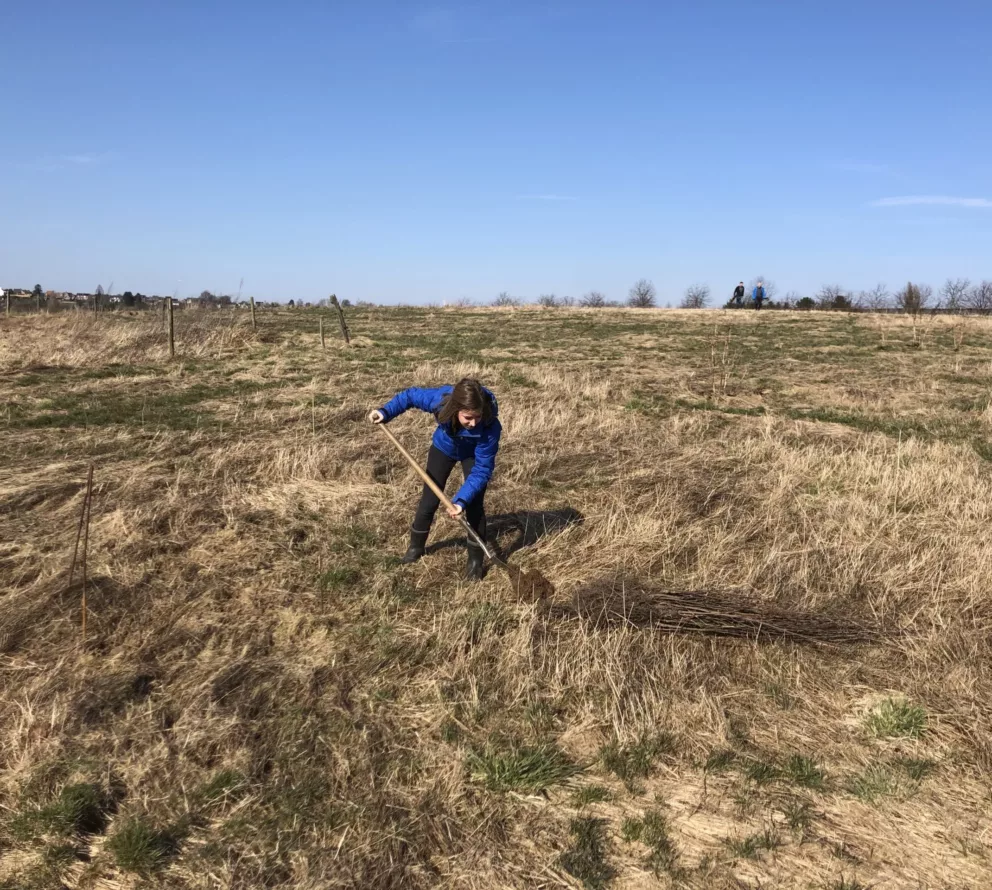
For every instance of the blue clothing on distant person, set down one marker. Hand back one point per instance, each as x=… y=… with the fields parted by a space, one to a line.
x=455 y=441
x=758 y=294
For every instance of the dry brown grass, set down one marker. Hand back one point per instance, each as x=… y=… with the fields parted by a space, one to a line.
x=266 y=699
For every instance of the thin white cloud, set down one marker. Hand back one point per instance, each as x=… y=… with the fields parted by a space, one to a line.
x=546 y=198
x=931 y=200
x=50 y=163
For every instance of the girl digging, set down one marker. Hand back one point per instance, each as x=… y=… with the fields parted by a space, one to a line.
x=468 y=431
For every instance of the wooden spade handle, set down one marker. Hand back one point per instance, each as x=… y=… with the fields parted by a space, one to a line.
x=442 y=497
x=430 y=483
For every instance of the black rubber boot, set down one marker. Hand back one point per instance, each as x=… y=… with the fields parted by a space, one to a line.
x=474 y=569
x=418 y=541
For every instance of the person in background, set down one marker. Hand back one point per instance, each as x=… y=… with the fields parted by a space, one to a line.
x=739 y=294
x=758 y=295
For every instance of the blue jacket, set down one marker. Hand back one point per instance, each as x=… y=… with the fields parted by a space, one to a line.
x=482 y=443
x=758 y=293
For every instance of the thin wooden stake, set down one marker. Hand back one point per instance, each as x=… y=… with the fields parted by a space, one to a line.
x=321 y=323
x=251 y=301
x=344 y=326
x=83 y=531
x=172 y=330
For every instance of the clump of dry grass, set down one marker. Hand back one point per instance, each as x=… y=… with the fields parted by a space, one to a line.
x=266 y=699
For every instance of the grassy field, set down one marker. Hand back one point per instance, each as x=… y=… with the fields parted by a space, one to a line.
x=266 y=698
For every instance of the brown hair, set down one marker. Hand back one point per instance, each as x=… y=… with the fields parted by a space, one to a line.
x=468 y=395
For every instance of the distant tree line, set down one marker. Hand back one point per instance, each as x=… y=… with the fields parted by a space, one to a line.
x=956 y=295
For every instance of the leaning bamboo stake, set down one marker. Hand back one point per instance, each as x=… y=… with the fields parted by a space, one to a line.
x=251 y=301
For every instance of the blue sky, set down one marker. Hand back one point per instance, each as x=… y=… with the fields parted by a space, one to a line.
x=400 y=152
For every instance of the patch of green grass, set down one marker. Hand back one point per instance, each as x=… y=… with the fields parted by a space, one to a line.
x=355 y=537
x=58 y=858
x=753 y=845
x=521 y=768
x=707 y=405
x=652 y=831
x=805 y=771
x=512 y=378
x=895 y=427
x=896 y=718
x=80 y=808
x=760 y=772
x=916 y=768
x=590 y=794
x=586 y=857
x=138 y=847
x=178 y=409
x=227 y=786
x=875 y=783
x=541 y=716
x=720 y=761
x=629 y=763
x=338 y=578
x=799 y=816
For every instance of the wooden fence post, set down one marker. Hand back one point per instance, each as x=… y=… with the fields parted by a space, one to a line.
x=344 y=327
x=251 y=301
x=172 y=330
x=7 y=299
x=321 y=323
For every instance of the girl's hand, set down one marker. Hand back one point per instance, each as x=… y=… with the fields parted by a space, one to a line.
x=455 y=511
x=376 y=417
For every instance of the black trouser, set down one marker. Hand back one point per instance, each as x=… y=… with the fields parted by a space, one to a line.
x=439 y=467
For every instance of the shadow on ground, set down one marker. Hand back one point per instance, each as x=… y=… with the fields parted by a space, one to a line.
x=510 y=532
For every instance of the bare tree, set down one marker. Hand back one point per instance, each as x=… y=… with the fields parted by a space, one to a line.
x=548 y=301
x=641 y=295
x=980 y=297
x=914 y=298
x=831 y=296
x=594 y=300
x=954 y=293
x=504 y=299
x=697 y=296
x=770 y=287
x=566 y=302
x=873 y=300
